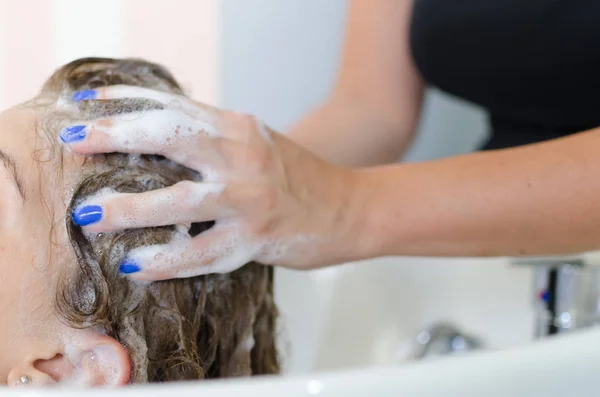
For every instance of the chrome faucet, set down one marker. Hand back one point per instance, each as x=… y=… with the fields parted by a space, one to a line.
x=441 y=340
x=566 y=294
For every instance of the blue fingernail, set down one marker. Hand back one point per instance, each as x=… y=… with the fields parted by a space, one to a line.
x=84 y=95
x=87 y=215
x=128 y=267
x=74 y=133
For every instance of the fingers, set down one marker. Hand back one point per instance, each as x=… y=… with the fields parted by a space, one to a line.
x=172 y=101
x=182 y=203
x=218 y=250
x=166 y=132
x=237 y=124
x=128 y=91
x=178 y=135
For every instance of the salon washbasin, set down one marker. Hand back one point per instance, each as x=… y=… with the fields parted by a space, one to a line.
x=564 y=365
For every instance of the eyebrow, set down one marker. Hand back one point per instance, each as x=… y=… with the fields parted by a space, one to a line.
x=9 y=163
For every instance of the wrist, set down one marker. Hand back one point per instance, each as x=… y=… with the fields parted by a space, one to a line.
x=383 y=229
x=363 y=238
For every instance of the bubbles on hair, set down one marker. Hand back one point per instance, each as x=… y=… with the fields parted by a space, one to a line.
x=143 y=316
x=175 y=105
x=133 y=160
x=181 y=232
x=87 y=298
x=209 y=175
x=248 y=343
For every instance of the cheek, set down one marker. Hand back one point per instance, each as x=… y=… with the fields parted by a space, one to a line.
x=26 y=281
x=34 y=296
x=9 y=288
x=13 y=267
x=12 y=284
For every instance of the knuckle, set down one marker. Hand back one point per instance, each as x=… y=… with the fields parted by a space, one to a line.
x=184 y=190
x=266 y=198
x=244 y=121
x=224 y=198
x=185 y=194
x=259 y=161
x=246 y=118
x=221 y=146
x=258 y=204
x=111 y=214
x=256 y=199
x=123 y=210
x=251 y=120
x=264 y=227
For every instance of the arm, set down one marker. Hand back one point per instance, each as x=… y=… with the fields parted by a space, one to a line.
x=277 y=203
x=372 y=112
x=540 y=199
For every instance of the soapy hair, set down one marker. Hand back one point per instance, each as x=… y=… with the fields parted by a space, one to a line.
x=213 y=326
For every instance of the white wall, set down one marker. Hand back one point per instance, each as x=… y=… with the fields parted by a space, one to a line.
x=278 y=60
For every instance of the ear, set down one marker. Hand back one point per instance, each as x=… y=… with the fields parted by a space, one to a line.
x=95 y=360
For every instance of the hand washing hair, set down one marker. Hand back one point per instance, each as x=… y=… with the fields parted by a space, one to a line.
x=219 y=325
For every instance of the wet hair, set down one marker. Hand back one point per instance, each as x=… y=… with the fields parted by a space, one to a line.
x=213 y=326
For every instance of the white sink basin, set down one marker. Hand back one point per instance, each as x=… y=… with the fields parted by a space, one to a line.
x=368 y=314
x=558 y=367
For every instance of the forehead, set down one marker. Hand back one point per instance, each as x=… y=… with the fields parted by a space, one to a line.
x=25 y=136
x=29 y=135
x=18 y=120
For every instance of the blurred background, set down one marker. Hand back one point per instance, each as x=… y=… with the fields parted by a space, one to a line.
x=277 y=59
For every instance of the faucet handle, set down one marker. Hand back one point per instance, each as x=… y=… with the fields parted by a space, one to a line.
x=566 y=293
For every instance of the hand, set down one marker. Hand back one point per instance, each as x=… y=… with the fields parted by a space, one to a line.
x=273 y=201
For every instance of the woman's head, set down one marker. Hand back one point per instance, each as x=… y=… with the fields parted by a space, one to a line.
x=69 y=314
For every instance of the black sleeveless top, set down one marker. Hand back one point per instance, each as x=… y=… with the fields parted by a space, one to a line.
x=533 y=64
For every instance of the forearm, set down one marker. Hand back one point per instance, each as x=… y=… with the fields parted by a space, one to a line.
x=349 y=131
x=374 y=107
x=541 y=199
